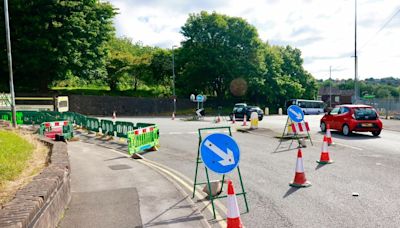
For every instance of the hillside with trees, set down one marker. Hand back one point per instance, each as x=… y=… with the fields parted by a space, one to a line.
x=67 y=45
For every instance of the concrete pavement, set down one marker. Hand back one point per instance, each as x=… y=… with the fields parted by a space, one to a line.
x=111 y=190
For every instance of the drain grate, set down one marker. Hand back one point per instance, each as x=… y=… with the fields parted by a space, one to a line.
x=119 y=167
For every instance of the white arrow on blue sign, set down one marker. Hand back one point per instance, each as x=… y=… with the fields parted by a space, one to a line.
x=295 y=113
x=220 y=153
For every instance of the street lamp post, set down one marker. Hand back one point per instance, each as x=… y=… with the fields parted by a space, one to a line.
x=7 y=25
x=330 y=87
x=173 y=80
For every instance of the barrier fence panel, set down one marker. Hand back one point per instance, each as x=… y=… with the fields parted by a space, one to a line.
x=143 y=139
x=143 y=125
x=122 y=128
x=107 y=127
x=56 y=129
x=92 y=124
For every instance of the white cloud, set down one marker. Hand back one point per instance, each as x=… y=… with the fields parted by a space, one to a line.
x=322 y=30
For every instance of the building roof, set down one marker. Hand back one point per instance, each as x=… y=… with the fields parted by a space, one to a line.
x=335 y=92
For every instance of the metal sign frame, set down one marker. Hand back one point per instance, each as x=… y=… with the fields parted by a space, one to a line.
x=199 y=161
x=294 y=137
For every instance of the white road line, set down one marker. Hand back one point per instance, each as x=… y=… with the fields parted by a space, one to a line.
x=344 y=145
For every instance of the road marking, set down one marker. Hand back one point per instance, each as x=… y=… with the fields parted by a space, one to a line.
x=344 y=145
x=220 y=220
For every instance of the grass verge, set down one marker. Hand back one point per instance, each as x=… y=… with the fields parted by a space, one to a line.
x=21 y=158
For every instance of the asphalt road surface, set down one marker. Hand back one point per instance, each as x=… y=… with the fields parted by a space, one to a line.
x=364 y=165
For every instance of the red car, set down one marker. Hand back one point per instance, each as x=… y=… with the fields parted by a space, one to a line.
x=349 y=118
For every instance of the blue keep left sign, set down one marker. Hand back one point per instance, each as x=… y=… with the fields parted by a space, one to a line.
x=220 y=153
x=295 y=113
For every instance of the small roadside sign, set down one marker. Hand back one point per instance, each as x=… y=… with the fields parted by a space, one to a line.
x=295 y=113
x=220 y=153
x=199 y=98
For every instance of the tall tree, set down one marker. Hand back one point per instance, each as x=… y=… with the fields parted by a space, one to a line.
x=52 y=37
x=217 y=49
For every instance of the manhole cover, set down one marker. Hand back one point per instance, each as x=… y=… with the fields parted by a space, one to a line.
x=119 y=167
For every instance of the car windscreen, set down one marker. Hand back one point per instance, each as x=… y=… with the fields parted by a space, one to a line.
x=365 y=114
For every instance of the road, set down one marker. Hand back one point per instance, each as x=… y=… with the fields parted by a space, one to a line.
x=364 y=164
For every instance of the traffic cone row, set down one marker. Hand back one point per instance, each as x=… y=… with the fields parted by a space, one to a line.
x=244 y=120
x=300 y=180
x=300 y=177
x=233 y=214
x=328 y=135
x=324 y=153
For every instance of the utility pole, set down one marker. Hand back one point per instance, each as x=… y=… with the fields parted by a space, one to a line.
x=173 y=80
x=330 y=86
x=355 y=56
x=7 y=25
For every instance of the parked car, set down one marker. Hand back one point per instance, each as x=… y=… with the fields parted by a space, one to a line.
x=349 y=118
x=241 y=108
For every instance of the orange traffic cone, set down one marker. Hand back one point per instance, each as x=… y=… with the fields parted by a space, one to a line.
x=324 y=153
x=244 y=120
x=233 y=215
x=114 y=116
x=173 y=115
x=233 y=119
x=328 y=135
x=300 y=180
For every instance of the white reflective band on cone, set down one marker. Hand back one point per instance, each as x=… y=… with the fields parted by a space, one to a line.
x=299 y=165
x=233 y=208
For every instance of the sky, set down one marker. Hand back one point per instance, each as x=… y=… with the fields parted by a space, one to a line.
x=322 y=29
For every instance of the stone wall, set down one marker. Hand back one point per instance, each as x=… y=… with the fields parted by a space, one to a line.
x=125 y=106
x=42 y=202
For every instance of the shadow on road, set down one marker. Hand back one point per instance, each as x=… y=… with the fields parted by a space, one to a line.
x=320 y=166
x=290 y=191
x=353 y=136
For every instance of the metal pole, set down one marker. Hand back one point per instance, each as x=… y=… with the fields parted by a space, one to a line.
x=355 y=56
x=173 y=79
x=330 y=87
x=7 y=25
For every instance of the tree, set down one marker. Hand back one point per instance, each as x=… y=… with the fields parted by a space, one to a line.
x=217 y=49
x=51 y=38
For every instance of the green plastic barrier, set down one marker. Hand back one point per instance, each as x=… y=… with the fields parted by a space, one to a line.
x=142 y=139
x=52 y=129
x=6 y=115
x=92 y=124
x=122 y=128
x=80 y=119
x=70 y=116
x=107 y=127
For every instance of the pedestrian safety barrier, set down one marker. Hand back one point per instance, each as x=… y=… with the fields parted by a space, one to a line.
x=141 y=136
x=142 y=139
x=56 y=130
x=107 y=127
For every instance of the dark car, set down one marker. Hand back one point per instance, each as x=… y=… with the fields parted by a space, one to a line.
x=240 y=111
x=349 y=118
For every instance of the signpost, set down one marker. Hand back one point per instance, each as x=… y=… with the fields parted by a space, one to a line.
x=296 y=115
x=221 y=154
x=200 y=99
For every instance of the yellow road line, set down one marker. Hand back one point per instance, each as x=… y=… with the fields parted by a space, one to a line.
x=220 y=220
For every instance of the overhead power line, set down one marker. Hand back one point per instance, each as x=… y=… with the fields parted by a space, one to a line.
x=381 y=28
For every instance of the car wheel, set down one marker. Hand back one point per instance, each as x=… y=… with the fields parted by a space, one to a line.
x=346 y=130
x=323 y=126
x=376 y=133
